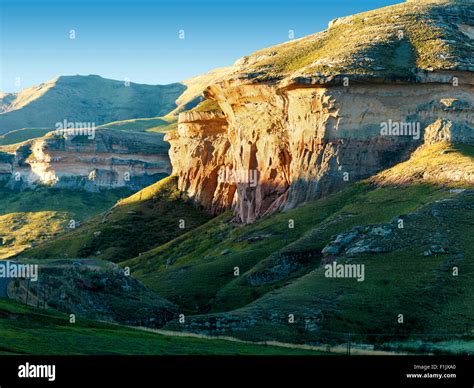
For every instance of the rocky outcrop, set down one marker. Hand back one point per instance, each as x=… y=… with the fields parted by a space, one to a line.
x=108 y=159
x=398 y=234
x=200 y=153
x=285 y=137
x=93 y=289
x=302 y=143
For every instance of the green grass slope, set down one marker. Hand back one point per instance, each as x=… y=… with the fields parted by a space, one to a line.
x=197 y=269
x=410 y=278
x=392 y=42
x=136 y=224
x=91 y=99
x=280 y=268
x=32 y=331
x=23 y=230
x=30 y=217
x=155 y=124
x=21 y=135
x=245 y=280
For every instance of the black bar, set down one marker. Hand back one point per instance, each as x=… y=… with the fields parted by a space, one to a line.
x=292 y=371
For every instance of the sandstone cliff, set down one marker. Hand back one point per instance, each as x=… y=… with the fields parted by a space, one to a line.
x=300 y=120
x=108 y=160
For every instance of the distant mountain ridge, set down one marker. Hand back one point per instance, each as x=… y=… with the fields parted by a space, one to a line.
x=86 y=99
x=98 y=100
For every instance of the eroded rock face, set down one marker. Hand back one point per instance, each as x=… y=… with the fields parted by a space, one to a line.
x=304 y=141
x=110 y=159
x=309 y=116
x=200 y=150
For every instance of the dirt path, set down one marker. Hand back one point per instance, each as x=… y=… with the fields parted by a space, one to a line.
x=340 y=349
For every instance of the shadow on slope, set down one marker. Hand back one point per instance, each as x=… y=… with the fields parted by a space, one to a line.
x=135 y=224
x=265 y=271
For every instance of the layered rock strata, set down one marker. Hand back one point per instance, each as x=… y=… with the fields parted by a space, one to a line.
x=109 y=159
x=303 y=119
x=304 y=142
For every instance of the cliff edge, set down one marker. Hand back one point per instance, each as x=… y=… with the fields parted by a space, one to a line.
x=300 y=120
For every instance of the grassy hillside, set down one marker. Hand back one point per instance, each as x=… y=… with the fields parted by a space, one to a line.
x=391 y=42
x=202 y=262
x=436 y=164
x=23 y=230
x=32 y=331
x=79 y=203
x=190 y=99
x=21 y=135
x=30 y=217
x=104 y=102
x=280 y=267
x=91 y=99
x=136 y=224
x=279 y=258
x=156 y=124
x=413 y=277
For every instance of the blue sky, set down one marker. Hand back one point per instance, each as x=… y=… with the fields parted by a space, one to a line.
x=139 y=39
